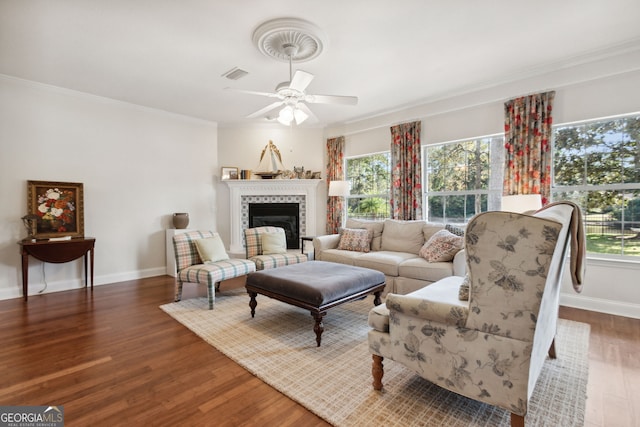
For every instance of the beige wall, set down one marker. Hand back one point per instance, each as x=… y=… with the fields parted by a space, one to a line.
x=138 y=166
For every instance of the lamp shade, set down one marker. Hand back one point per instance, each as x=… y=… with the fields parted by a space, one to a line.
x=521 y=203
x=339 y=188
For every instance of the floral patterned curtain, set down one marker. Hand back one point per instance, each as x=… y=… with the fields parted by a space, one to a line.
x=335 y=172
x=527 y=134
x=406 y=172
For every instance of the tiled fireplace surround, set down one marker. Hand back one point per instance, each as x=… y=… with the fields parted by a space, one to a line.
x=243 y=192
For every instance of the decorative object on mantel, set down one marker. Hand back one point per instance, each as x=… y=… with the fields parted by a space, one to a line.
x=299 y=172
x=288 y=174
x=180 y=220
x=270 y=165
x=229 y=173
x=59 y=207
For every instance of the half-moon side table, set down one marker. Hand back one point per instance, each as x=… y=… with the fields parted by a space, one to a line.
x=58 y=252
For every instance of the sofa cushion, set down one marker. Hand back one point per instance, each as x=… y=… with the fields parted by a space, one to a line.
x=340 y=256
x=441 y=247
x=429 y=229
x=374 y=227
x=355 y=239
x=421 y=269
x=402 y=236
x=384 y=261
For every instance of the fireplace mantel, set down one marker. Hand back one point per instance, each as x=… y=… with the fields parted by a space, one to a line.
x=268 y=187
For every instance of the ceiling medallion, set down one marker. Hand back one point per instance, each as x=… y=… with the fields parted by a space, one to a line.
x=289 y=38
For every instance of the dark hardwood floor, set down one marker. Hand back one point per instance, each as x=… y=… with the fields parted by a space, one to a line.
x=112 y=357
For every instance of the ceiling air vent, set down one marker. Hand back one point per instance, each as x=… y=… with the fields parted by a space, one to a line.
x=235 y=73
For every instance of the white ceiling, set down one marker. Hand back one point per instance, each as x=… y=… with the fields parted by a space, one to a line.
x=171 y=54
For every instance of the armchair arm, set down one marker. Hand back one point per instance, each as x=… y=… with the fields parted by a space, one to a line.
x=436 y=302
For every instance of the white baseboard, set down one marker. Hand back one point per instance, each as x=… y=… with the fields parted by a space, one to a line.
x=36 y=288
x=617 y=308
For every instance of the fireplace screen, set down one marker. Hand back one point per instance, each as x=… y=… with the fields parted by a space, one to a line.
x=284 y=215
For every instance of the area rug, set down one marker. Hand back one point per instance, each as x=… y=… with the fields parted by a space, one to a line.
x=334 y=380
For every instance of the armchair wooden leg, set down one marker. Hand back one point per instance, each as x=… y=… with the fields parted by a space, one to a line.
x=517 y=420
x=552 y=349
x=211 y=296
x=377 y=370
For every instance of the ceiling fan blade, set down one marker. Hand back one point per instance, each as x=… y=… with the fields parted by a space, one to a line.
x=300 y=81
x=265 y=110
x=253 y=92
x=331 y=99
x=312 y=117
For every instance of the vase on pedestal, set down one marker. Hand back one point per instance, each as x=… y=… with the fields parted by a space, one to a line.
x=180 y=220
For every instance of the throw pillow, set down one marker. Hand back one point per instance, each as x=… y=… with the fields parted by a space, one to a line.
x=463 y=292
x=211 y=249
x=355 y=239
x=454 y=229
x=374 y=227
x=441 y=247
x=273 y=243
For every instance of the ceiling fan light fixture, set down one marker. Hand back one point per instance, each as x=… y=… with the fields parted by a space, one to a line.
x=286 y=115
x=300 y=116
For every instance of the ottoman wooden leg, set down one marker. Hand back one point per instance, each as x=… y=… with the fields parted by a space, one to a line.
x=376 y=298
x=318 y=328
x=253 y=303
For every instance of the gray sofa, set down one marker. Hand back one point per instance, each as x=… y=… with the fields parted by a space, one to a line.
x=394 y=251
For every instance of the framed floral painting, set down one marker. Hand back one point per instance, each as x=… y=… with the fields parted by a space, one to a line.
x=59 y=207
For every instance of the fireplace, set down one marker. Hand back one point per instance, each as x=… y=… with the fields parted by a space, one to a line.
x=283 y=215
x=243 y=192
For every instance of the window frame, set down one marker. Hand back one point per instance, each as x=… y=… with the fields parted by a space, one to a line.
x=353 y=196
x=493 y=195
x=588 y=188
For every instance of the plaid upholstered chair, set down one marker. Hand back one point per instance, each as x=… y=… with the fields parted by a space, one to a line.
x=218 y=267
x=270 y=255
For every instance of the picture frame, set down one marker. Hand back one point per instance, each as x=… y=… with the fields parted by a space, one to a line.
x=59 y=207
x=229 y=173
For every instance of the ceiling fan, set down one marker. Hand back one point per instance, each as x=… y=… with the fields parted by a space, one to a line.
x=292 y=96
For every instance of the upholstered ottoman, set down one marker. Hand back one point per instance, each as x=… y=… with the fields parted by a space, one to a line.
x=316 y=286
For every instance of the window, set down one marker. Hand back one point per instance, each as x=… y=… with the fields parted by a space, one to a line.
x=462 y=178
x=597 y=166
x=370 y=178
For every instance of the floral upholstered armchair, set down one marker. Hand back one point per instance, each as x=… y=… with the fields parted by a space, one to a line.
x=492 y=347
